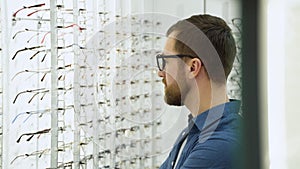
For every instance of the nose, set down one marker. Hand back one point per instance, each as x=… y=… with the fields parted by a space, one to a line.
x=161 y=73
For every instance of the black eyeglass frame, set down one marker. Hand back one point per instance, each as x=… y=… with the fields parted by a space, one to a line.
x=161 y=56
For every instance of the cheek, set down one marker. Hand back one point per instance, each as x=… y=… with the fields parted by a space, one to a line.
x=171 y=77
x=171 y=74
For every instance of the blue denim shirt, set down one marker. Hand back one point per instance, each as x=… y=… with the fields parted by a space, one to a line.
x=212 y=140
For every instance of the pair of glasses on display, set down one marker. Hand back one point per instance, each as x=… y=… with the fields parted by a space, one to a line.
x=161 y=62
x=40 y=113
x=28 y=7
x=43 y=91
x=40 y=153
x=45 y=72
x=46 y=32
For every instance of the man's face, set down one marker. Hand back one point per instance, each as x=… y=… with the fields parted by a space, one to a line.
x=173 y=76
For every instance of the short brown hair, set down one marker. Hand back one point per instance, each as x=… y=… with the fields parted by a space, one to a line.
x=215 y=29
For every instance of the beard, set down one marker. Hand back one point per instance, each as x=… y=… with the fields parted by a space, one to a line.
x=174 y=94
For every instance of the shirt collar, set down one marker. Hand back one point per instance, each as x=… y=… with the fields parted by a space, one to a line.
x=205 y=119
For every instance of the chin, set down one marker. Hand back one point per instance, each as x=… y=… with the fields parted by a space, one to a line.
x=173 y=102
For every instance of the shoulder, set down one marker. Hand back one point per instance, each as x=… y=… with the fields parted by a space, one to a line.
x=215 y=148
x=214 y=153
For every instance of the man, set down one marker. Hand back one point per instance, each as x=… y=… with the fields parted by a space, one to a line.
x=196 y=61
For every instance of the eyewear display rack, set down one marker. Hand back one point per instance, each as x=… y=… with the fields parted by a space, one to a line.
x=81 y=95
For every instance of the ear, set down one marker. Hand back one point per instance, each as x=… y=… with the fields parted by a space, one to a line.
x=195 y=66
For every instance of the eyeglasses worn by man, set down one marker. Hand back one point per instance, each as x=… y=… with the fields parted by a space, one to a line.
x=194 y=66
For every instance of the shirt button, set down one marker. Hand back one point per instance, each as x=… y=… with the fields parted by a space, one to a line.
x=172 y=163
x=182 y=133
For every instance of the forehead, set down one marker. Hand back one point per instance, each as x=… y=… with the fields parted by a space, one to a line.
x=170 y=46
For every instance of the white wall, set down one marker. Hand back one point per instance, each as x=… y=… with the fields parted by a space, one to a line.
x=292 y=85
x=283 y=83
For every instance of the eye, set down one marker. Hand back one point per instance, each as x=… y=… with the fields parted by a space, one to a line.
x=164 y=62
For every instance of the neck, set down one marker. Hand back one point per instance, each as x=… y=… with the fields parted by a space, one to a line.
x=204 y=97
